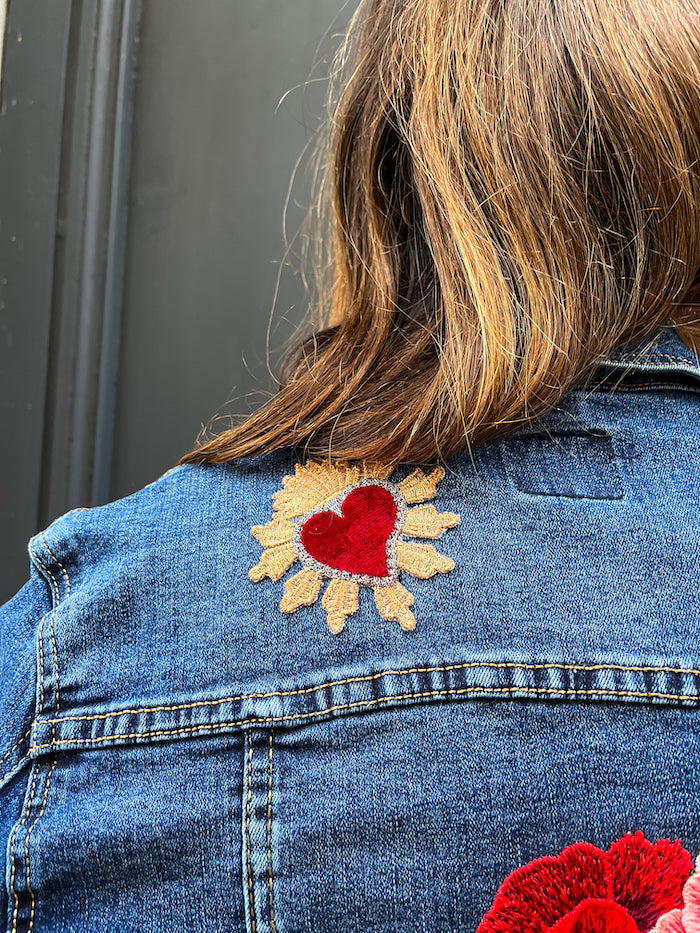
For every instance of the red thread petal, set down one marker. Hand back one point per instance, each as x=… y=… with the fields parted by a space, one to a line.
x=596 y=916
x=648 y=877
x=533 y=898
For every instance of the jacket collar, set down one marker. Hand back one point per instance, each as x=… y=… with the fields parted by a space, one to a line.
x=660 y=352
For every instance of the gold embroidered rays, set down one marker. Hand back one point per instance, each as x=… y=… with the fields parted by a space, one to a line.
x=348 y=525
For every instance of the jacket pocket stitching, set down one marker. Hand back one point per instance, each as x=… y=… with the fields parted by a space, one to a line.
x=535 y=466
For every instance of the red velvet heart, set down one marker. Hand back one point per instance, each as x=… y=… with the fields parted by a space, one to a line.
x=356 y=541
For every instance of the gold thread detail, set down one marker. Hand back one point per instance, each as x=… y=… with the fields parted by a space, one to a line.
x=313 y=485
x=301 y=590
x=424 y=521
x=276 y=532
x=421 y=560
x=373 y=469
x=273 y=563
x=393 y=602
x=15 y=767
x=63 y=569
x=417 y=486
x=340 y=600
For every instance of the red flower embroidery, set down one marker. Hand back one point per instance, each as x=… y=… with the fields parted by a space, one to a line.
x=586 y=890
x=686 y=920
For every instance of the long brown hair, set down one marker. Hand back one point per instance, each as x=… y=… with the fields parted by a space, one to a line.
x=511 y=191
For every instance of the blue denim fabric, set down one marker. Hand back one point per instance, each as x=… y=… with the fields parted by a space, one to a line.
x=177 y=753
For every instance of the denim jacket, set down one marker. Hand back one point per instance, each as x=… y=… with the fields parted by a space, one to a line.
x=291 y=696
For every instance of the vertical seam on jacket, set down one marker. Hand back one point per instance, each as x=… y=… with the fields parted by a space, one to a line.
x=15 y=899
x=63 y=569
x=251 y=895
x=26 y=843
x=18 y=764
x=273 y=928
x=40 y=639
x=16 y=746
x=41 y=702
x=52 y=629
x=37 y=766
x=41 y=671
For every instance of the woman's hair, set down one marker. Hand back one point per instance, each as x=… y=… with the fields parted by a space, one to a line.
x=511 y=191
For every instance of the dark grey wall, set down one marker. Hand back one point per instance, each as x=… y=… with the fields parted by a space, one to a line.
x=212 y=162
x=146 y=150
x=30 y=155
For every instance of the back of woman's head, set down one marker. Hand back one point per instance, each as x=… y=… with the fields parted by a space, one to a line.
x=512 y=190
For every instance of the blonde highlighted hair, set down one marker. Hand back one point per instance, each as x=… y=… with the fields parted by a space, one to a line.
x=511 y=191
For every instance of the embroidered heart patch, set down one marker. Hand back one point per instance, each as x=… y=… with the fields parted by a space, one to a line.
x=354 y=535
x=352 y=529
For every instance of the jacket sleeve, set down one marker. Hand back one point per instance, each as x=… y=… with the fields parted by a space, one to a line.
x=20 y=620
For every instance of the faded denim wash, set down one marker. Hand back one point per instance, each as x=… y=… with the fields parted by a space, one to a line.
x=177 y=754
